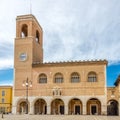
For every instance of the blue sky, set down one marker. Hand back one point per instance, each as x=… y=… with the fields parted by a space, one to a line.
x=81 y=29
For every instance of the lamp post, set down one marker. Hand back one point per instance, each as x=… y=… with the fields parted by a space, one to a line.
x=27 y=84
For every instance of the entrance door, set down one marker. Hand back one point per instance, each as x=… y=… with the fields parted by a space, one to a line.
x=93 y=109
x=61 y=109
x=77 y=109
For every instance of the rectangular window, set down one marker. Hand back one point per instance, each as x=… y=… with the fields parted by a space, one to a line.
x=43 y=80
x=75 y=79
x=3 y=93
x=3 y=100
x=113 y=92
x=91 y=79
x=58 y=80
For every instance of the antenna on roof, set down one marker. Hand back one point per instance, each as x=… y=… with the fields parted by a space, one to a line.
x=30 y=7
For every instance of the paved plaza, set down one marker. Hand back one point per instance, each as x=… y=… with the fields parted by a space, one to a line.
x=58 y=117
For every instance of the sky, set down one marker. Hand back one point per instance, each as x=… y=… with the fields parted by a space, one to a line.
x=73 y=30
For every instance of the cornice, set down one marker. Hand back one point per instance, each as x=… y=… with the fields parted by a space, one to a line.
x=6 y=86
x=71 y=63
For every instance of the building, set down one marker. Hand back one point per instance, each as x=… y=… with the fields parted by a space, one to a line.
x=73 y=87
x=5 y=99
x=113 y=98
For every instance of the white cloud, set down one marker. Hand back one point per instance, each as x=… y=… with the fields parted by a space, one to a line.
x=6 y=63
x=73 y=30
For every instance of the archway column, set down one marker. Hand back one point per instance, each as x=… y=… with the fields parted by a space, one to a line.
x=119 y=107
x=84 y=108
x=104 y=109
x=48 y=109
x=66 y=109
x=14 y=110
x=14 y=106
x=31 y=109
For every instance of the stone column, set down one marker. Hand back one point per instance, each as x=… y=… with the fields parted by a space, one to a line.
x=48 y=109
x=84 y=109
x=103 y=109
x=14 y=110
x=14 y=106
x=31 y=109
x=66 y=109
x=119 y=107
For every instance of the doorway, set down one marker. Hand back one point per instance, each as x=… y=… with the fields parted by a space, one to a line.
x=93 y=109
x=77 y=109
x=61 y=109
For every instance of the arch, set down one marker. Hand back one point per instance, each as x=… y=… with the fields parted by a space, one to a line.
x=57 y=106
x=58 y=78
x=75 y=106
x=92 y=76
x=40 y=106
x=24 y=31
x=93 y=107
x=112 y=107
x=37 y=36
x=75 y=77
x=22 y=106
x=42 y=78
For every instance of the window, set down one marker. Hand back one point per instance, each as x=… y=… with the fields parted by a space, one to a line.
x=24 y=31
x=112 y=92
x=3 y=100
x=92 y=77
x=42 y=78
x=58 y=78
x=37 y=37
x=75 y=78
x=3 y=93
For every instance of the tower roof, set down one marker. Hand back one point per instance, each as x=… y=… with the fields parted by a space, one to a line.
x=28 y=17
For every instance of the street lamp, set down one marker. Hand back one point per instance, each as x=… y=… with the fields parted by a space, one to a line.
x=27 y=84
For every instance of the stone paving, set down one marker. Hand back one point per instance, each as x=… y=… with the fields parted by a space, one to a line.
x=58 y=117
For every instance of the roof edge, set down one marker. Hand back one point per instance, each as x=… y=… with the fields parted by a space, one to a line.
x=84 y=62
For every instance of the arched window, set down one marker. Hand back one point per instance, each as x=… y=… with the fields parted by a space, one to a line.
x=42 y=78
x=75 y=78
x=58 y=78
x=92 y=77
x=37 y=36
x=24 y=31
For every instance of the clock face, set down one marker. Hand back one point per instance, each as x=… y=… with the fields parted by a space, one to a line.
x=23 y=57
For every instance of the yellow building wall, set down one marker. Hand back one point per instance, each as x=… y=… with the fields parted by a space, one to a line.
x=6 y=106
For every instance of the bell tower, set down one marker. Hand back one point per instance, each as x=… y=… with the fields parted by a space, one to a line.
x=28 y=41
x=28 y=49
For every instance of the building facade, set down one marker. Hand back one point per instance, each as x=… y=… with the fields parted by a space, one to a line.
x=5 y=99
x=113 y=98
x=73 y=87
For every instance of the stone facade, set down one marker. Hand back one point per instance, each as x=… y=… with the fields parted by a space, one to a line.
x=73 y=87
